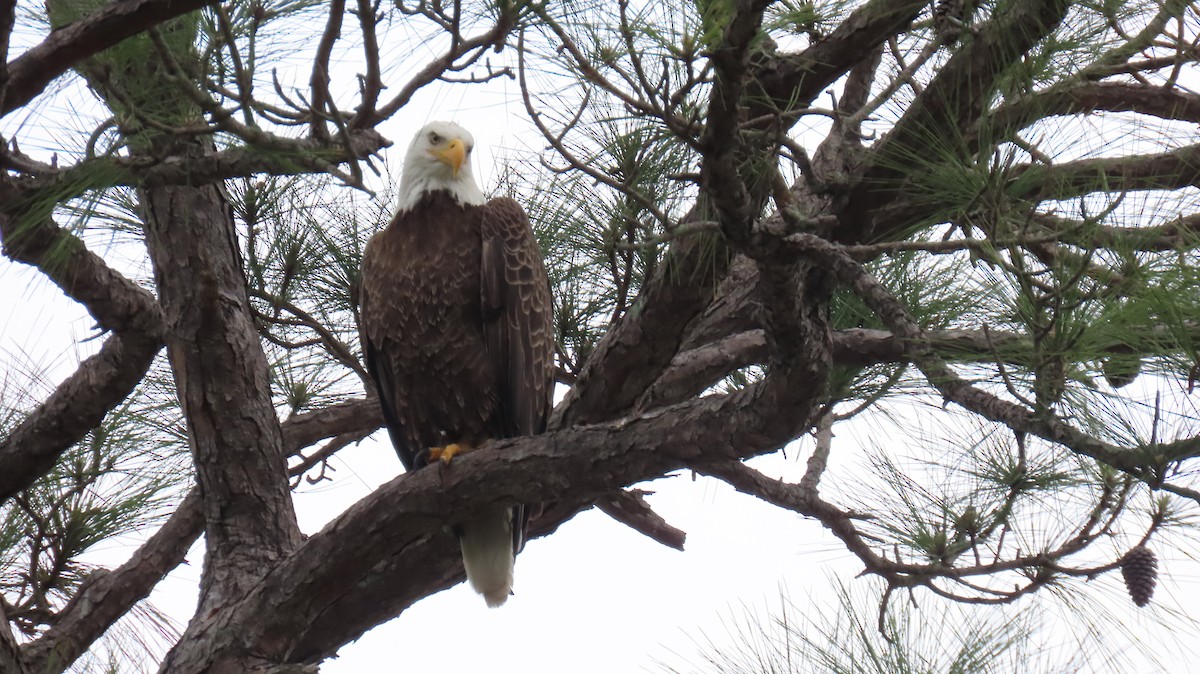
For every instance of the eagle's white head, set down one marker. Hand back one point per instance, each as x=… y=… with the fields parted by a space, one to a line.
x=439 y=158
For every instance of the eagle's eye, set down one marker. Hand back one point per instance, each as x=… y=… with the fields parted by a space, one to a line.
x=434 y=138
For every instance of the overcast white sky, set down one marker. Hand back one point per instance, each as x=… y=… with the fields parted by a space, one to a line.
x=595 y=597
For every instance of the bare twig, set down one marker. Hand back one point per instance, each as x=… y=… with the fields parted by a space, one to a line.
x=333 y=346
x=319 y=80
x=575 y=163
x=462 y=54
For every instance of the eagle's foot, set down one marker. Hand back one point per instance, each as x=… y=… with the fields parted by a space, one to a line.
x=447 y=453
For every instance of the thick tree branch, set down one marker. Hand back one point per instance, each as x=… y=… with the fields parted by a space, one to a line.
x=1162 y=171
x=1181 y=232
x=955 y=98
x=102 y=381
x=11 y=659
x=8 y=15
x=721 y=141
x=1085 y=97
x=114 y=301
x=361 y=415
x=77 y=406
x=793 y=81
x=221 y=375
x=106 y=596
x=220 y=371
x=265 y=154
x=693 y=371
x=636 y=349
x=329 y=592
x=30 y=73
x=358 y=418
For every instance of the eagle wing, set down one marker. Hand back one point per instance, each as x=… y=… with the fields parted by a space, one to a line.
x=518 y=327
x=518 y=317
x=379 y=366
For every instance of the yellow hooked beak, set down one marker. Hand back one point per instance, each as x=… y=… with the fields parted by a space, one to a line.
x=453 y=155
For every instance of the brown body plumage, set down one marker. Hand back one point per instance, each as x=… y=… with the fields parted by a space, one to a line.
x=456 y=360
x=457 y=333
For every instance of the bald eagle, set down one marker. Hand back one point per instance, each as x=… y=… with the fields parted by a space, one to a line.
x=456 y=328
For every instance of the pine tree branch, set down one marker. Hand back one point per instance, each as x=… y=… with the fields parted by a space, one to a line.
x=337 y=349
x=106 y=596
x=348 y=418
x=633 y=354
x=955 y=98
x=101 y=381
x=803 y=498
x=646 y=106
x=728 y=336
x=222 y=378
x=361 y=417
x=1170 y=170
x=696 y=368
x=392 y=549
x=1181 y=232
x=1168 y=11
x=320 y=98
x=1144 y=463
x=220 y=371
x=800 y=499
x=8 y=15
x=11 y=659
x=629 y=507
x=721 y=142
x=263 y=153
x=116 y=303
x=372 y=81
x=1086 y=97
x=471 y=48
x=30 y=73
x=693 y=371
x=793 y=81
x=75 y=407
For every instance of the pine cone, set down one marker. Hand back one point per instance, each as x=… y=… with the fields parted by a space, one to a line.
x=1121 y=370
x=1139 y=567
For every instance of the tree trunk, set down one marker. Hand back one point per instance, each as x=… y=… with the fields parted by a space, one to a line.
x=221 y=373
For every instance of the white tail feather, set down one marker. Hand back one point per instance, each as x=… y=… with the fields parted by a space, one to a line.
x=487 y=550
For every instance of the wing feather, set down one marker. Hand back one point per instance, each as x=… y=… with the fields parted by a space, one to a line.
x=518 y=317
x=518 y=326
x=372 y=320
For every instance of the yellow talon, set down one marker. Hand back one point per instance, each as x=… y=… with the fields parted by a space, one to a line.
x=447 y=453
